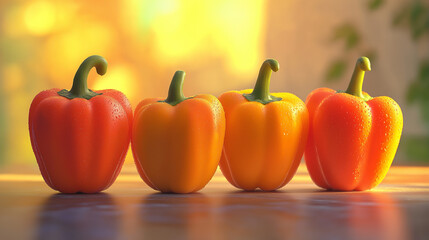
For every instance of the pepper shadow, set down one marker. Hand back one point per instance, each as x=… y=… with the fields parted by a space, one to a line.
x=259 y=215
x=354 y=215
x=78 y=216
x=177 y=216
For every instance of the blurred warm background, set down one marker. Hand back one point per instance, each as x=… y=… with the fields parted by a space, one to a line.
x=220 y=44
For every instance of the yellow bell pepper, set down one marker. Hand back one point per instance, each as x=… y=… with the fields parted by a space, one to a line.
x=265 y=134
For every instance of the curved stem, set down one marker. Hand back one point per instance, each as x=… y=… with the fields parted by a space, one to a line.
x=80 y=88
x=355 y=86
x=261 y=91
x=175 y=92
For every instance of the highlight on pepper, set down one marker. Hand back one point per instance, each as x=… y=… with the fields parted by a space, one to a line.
x=353 y=137
x=79 y=136
x=265 y=134
x=177 y=141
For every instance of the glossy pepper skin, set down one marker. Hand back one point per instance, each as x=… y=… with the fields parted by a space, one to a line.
x=177 y=142
x=80 y=137
x=265 y=135
x=353 y=137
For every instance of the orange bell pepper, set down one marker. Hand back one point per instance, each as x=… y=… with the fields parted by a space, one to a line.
x=177 y=142
x=353 y=137
x=80 y=137
x=265 y=134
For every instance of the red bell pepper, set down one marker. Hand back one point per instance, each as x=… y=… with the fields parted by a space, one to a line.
x=353 y=136
x=80 y=137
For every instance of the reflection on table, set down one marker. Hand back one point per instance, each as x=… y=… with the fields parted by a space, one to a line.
x=397 y=209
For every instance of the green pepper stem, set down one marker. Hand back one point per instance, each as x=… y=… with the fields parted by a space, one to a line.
x=80 y=88
x=261 y=91
x=262 y=86
x=175 y=92
x=355 y=86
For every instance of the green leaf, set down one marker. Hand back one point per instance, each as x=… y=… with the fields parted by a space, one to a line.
x=418 y=90
x=415 y=17
x=347 y=33
x=401 y=16
x=3 y=134
x=424 y=71
x=424 y=106
x=417 y=9
x=375 y=4
x=336 y=70
x=416 y=147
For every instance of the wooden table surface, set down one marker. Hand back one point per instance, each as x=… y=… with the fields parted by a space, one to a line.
x=397 y=209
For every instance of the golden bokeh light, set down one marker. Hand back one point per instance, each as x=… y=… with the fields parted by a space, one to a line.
x=13 y=22
x=40 y=17
x=144 y=42
x=14 y=75
x=119 y=77
x=45 y=17
x=197 y=28
x=185 y=31
x=220 y=44
x=64 y=52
